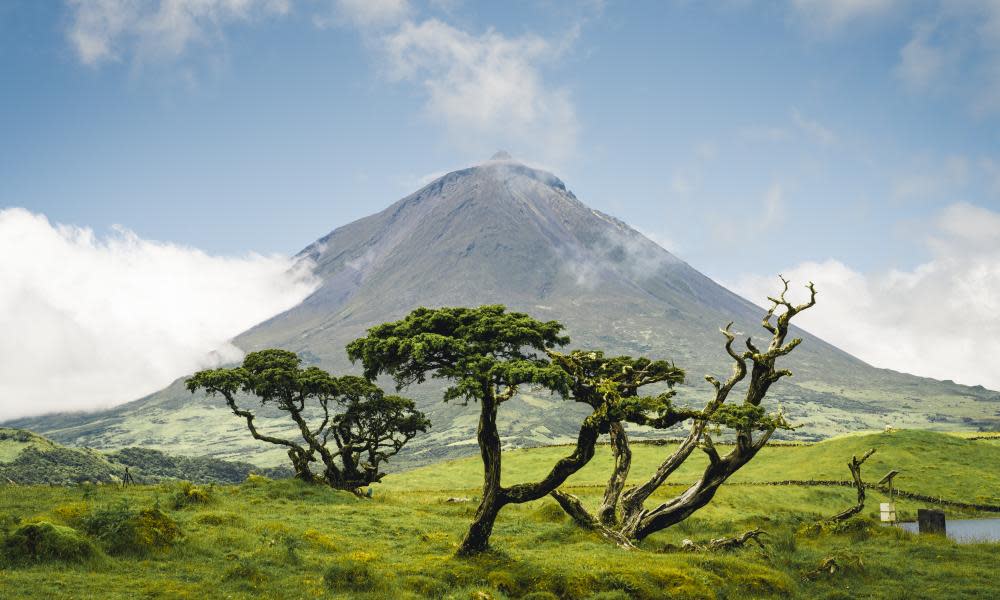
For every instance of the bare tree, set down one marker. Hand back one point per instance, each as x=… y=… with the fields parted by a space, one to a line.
x=855 y=467
x=623 y=515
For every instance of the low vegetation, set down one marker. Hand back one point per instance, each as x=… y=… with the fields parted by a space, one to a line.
x=27 y=458
x=287 y=539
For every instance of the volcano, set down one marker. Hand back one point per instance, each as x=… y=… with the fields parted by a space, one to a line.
x=503 y=232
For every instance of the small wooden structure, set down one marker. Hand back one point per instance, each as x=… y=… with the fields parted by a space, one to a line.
x=887 y=510
x=931 y=520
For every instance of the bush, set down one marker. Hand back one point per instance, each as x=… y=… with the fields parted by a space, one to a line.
x=124 y=530
x=46 y=542
x=188 y=494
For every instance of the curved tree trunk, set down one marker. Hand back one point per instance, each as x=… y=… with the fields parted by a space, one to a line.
x=607 y=514
x=478 y=537
x=855 y=467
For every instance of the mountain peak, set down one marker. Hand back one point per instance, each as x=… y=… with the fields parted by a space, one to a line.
x=502 y=155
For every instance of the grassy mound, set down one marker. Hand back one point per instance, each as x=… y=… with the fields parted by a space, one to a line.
x=123 y=530
x=44 y=542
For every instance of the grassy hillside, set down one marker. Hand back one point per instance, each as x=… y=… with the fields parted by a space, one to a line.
x=284 y=539
x=27 y=458
x=932 y=463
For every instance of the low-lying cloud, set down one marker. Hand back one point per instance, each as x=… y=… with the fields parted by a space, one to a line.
x=940 y=319
x=89 y=322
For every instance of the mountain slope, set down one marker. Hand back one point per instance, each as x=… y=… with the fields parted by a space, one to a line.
x=502 y=232
x=27 y=458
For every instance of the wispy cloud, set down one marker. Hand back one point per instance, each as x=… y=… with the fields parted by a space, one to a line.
x=90 y=322
x=813 y=129
x=486 y=87
x=953 y=47
x=940 y=319
x=367 y=14
x=110 y=30
x=827 y=15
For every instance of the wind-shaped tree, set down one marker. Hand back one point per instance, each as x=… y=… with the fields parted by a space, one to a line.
x=623 y=515
x=487 y=353
x=366 y=426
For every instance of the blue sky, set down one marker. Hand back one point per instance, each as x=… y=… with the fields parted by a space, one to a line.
x=852 y=140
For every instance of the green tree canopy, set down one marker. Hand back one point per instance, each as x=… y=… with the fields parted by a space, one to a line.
x=366 y=426
x=485 y=354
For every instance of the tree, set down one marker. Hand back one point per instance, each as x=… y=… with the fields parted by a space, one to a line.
x=366 y=426
x=487 y=353
x=855 y=467
x=623 y=516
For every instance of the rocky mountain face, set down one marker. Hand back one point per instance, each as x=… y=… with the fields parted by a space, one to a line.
x=505 y=233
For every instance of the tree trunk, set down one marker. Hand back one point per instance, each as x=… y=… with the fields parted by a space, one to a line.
x=300 y=463
x=478 y=538
x=607 y=514
x=855 y=467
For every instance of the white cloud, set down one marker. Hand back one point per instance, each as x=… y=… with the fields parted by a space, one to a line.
x=486 y=90
x=941 y=319
x=90 y=322
x=814 y=129
x=922 y=63
x=774 y=207
x=832 y=14
x=365 y=14
x=104 y=30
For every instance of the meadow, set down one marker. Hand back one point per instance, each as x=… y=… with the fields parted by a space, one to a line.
x=286 y=539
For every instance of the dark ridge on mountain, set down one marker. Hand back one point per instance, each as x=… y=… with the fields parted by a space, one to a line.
x=503 y=232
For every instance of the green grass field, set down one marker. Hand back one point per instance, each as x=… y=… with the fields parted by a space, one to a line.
x=284 y=539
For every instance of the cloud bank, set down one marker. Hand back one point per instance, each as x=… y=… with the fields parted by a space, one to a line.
x=90 y=322
x=940 y=319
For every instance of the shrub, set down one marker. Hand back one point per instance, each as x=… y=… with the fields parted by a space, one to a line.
x=46 y=542
x=8 y=522
x=255 y=479
x=124 y=530
x=188 y=494
x=72 y=512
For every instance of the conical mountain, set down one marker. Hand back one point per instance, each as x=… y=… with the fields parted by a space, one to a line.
x=506 y=233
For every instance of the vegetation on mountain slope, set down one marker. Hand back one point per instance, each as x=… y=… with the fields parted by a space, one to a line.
x=27 y=458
